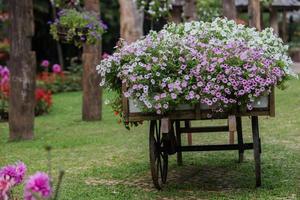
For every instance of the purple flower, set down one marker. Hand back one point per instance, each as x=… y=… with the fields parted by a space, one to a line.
x=15 y=172
x=173 y=95
x=163 y=95
x=156 y=97
x=56 y=68
x=103 y=25
x=45 y=63
x=38 y=184
x=4 y=72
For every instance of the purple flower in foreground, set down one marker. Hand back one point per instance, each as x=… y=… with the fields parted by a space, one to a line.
x=15 y=172
x=56 y=68
x=38 y=185
x=45 y=63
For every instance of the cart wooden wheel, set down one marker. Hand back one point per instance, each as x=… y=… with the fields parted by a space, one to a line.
x=158 y=154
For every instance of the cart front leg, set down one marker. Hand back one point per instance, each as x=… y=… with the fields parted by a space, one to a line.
x=178 y=137
x=257 y=150
x=239 y=129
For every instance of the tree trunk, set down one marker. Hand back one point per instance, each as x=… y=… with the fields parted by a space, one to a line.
x=274 y=19
x=131 y=21
x=284 y=26
x=254 y=14
x=22 y=66
x=190 y=10
x=92 y=94
x=176 y=12
x=229 y=9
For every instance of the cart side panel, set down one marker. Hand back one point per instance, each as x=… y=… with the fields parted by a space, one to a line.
x=197 y=112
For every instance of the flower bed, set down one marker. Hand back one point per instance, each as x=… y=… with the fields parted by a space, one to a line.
x=56 y=80
x=43 y=97
x=219 y=64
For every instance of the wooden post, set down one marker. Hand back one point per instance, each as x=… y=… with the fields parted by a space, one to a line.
x=190 y=10
x=240 y=138
x=229 y=9
x=274 y=19
x=232 y=128
x=131 y=21
x=22 y=65
x=254 y=14
x=178 y=137
x=185 y=8
x=257 y=149
x=92 y=94
x=176 y=12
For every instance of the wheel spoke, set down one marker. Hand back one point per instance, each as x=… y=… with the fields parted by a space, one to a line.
x=158 y=164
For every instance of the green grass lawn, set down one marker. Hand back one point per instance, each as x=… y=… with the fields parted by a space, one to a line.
x=103 y=160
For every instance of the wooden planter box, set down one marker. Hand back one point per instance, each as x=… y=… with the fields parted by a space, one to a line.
x=264 y=106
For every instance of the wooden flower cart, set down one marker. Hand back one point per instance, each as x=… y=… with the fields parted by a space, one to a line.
x=165 y=132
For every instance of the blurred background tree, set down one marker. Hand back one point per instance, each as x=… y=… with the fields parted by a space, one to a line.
x=209 y=9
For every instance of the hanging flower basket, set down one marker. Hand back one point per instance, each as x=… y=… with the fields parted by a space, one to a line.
x=80 y=36
x=77 y=27
x=208 y=69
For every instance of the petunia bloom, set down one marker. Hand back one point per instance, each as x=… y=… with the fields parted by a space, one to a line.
x=45 y=63
x=56 y=68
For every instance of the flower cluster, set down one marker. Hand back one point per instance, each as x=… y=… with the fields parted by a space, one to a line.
x=4 y=75
x=155 y=8
x=77 y=27
x=4 y=89
x=221 y=64
x=14 y=173
x=38 y=185
x=11 y=176
x=43 y=100
x=56 y=68
x=54 y=79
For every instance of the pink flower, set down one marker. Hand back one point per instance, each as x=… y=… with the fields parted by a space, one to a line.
x=5 y=185
x=105 y=55
x=15 y=173
x=56 y=68
x=38 y=185
x=45 y=63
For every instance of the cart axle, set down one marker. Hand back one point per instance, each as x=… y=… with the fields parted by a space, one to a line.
x=215 y=147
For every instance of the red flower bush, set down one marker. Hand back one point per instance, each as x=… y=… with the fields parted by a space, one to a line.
x=43 y=100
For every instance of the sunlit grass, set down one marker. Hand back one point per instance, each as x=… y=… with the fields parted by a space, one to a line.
x=106 y=151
